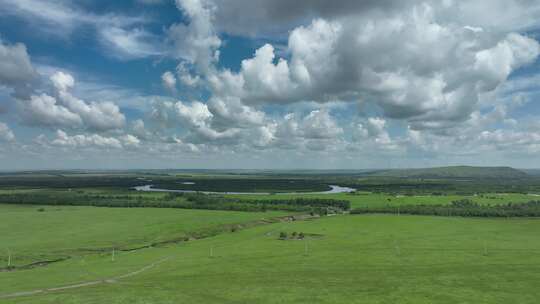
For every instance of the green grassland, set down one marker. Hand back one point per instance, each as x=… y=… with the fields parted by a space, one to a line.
x=170 y=255
x=60 y=231
x=344 y=259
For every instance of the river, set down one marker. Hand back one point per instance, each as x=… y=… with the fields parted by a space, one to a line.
x=334 y=189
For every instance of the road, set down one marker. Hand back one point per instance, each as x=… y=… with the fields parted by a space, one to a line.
x=82 y=284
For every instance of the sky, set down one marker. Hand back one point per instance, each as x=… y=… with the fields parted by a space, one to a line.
x=269 y=84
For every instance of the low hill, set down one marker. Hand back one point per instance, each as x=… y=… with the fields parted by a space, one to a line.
x=454 y=172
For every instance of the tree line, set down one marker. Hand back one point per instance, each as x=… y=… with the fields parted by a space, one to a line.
x=179 y=200
x=464 y=208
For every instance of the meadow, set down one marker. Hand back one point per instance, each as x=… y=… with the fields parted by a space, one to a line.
x=36 y=233
x=110 y=244
x=345 y=259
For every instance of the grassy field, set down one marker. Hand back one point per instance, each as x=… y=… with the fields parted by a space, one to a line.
x=60 y=231
x=347 y=259
x=344 y=258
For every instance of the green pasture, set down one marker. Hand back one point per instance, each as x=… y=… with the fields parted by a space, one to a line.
x=344 y=259
x=35 y=233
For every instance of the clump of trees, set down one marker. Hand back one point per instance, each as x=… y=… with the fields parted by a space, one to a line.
x=293 y=236
x=463 y=207
x=177 y=200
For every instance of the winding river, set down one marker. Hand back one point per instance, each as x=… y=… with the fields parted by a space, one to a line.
x=334 y=189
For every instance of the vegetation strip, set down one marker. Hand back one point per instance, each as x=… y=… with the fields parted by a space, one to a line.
x=178 y=200
x=32 y=265
x=465 y=208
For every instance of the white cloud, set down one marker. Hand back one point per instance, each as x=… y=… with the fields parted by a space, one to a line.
x=319 y=125
x=68 y=110
x=138 y=128
x=196 y=115
x=429 y=78
x=99 y=116
x=61 y=17
x=16 y=69
x=128 y=44
x=255 y=18
x=5 y=133
x=44 y=110
x=78 y=141
x=185 y=75
x=197 y=42
x=373 y=131
x=129 y=140
x=229 y=111
x=122 y=37
x=168 y=80
x=495 y=64
x=62 y=139
x=265 y=81
x=384 y=60
x=62 y=81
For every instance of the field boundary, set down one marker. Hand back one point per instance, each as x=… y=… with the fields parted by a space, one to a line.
x=33 y=265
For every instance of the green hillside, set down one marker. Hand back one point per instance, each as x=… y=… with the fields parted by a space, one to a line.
x=454 y=172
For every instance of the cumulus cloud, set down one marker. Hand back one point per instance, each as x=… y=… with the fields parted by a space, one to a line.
x=229 y=111
x=66 y=110
x=428 y=77
x=196 y=117
x=372 y=135
x=168 y=80
x=16 y=70
x=197 y=41
x=62 y=139
x=186 y=76
x=277 y=17
x=139 y=129
x=43 y=110
x=62 y=81
x=5 y=133
x=316 y=130
x=418 y=63
x=385 y=60
x=99 y=116
x=320 y=125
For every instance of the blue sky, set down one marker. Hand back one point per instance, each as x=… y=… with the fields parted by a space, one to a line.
x=268 y=84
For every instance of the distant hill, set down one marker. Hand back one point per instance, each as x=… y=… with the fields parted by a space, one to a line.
x=533 y=172
x=454 y=172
